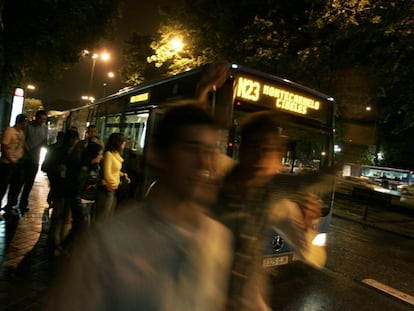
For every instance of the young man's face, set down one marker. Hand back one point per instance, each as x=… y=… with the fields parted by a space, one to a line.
x=92 y=132
x=41 y=119
x=261 y=154
x=189 y=164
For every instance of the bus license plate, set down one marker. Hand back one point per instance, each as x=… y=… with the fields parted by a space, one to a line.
x=275 y=261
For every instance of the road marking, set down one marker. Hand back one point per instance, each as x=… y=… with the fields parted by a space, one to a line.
x=390 y=290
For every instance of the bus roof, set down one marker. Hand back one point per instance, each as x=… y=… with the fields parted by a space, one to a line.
x=235 y=70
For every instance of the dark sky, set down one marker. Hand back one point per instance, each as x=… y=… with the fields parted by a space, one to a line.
x=140 y=16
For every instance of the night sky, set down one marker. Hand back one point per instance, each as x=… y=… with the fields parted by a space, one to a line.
x=140 y=16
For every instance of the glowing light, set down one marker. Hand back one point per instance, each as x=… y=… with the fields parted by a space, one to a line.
x=320 y=240
x=105 y=56
x=177 y=44
x=337 y=148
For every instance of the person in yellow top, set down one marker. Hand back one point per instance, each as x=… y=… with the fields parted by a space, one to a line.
x=111 y=176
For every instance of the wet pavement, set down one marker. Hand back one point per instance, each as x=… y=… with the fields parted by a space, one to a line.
x=28 y=265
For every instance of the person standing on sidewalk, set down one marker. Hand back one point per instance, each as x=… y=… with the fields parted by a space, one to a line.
x=12 y=151
x=63 y=171
x=86 y=186
x=111 y=176
x=36 y=138
x=91 y=137
x=60 y=137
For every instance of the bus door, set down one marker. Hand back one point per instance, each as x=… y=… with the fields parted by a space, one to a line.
x=134 y=129
x=150 y=162
x=112 y=125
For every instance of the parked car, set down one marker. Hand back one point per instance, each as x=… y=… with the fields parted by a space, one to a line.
x=406 y=189
x=348 y=184
x=406 y=198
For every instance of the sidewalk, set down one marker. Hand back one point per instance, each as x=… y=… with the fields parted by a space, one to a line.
x=28 y=267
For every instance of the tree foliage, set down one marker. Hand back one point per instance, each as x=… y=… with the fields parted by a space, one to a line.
x=359 y=51
x=41 y=38
x=136 y=68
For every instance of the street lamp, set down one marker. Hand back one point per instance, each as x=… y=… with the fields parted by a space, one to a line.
x=110 y=75
x=104 y=56
x=88 y=98
x=176 y=44
x=27 y=108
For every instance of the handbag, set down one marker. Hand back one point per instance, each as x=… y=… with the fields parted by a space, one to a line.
x=124 y=189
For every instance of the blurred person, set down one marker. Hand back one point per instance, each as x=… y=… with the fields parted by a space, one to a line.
x=111 y=176
x=11 y=168
x=49 y=157
x=63 y=170
x=86 y=184
x=164 y=253
x=255 y=196
x=91 y=137
x=36 y=137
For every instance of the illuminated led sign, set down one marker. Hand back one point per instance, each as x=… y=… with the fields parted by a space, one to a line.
x=277 y=97
x=17 y=104
x=144 y=97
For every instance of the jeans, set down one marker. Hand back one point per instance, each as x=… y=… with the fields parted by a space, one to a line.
x=105 y=203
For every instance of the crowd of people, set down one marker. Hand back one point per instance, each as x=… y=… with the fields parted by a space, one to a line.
x=194 y=242
x=20 y=149
x=83 y=176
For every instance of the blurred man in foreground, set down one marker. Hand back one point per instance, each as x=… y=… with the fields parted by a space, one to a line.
x=163 y=253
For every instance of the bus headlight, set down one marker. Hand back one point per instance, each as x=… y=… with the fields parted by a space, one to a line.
x=320 y=240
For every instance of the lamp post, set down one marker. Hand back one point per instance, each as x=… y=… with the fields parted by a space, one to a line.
x=27 y=108
x=110 y=75
x=374 y=120
x=94 y=58
x=30 y=87
x=89 y=99
x=105 y=56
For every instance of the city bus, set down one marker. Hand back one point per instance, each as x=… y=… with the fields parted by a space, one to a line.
x=134 y=112
x=387 y=177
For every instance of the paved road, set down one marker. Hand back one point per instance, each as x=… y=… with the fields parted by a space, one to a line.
x=27 y=265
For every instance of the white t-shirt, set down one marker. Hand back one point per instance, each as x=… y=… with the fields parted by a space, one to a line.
x=137 y=261
x=12 y=145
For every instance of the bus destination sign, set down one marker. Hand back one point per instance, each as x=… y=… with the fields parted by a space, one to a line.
x=276 y=97
x=139 y=98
